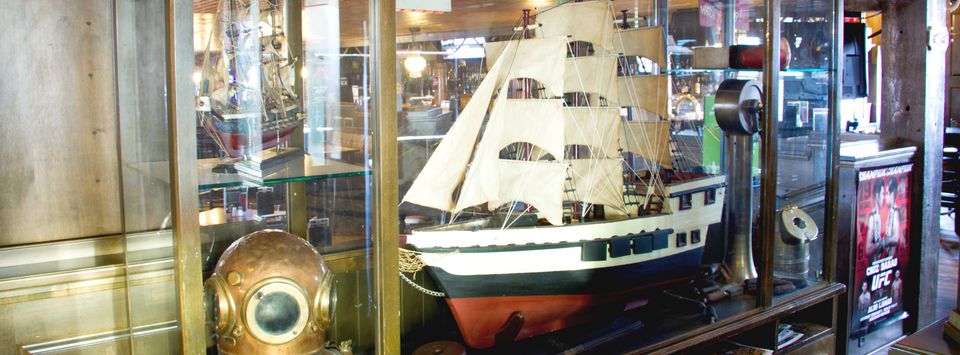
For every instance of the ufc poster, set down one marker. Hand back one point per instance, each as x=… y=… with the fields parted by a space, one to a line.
x=883 y=223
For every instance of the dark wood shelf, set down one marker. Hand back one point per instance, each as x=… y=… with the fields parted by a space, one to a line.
x=735 y=325
x=812 y=333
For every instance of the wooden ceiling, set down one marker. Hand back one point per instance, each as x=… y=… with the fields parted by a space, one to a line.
x=468 y=16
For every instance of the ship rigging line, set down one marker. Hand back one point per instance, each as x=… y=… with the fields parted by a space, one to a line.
x=586 y=207
x=655 y=179
x=456 y=214
x=529 y=156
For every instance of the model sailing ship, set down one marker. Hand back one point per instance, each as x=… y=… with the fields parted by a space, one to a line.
x=246 y=90
x=561 y=205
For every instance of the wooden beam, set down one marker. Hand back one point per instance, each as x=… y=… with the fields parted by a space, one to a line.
x=913 y=92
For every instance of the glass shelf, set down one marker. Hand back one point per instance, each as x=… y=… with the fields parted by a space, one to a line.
x=295 y=171
x=298 y=170
x=728 y=70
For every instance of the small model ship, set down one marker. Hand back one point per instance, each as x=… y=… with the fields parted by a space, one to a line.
x=563 y=200
x=246 y=101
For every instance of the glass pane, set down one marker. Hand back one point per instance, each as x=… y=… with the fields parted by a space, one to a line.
x=806 y=35
x=146 y=188
x=283 y=151
x=714 y=46
x=63 y=281
x=559 y=174
x=254 y=116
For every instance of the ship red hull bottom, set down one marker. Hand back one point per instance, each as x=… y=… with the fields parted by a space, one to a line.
x=480 y=319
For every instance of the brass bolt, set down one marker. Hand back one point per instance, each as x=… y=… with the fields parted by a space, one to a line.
x=234 y=278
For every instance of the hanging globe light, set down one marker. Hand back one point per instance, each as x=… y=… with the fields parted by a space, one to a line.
x=415 y=65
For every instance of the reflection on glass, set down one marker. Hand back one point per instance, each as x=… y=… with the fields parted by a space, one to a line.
x=299 y=70
x=246 y=97
x=149 y=242
x=801 y=184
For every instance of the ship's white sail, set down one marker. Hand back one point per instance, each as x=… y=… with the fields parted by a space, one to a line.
x=599 y=181
x=537 y=183
x=445 y=169
x=585 y=21
x=539 y=122
x=595 y=127
x=648 y=92
x=540 y=59
x=492 y=51
x=649 y=139
x=592 y=75
x=482 y=181
x=645 y=42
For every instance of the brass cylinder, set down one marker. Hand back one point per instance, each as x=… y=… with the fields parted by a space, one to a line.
x=795 y=230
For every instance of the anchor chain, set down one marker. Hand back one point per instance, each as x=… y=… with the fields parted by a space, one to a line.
x=426 y=291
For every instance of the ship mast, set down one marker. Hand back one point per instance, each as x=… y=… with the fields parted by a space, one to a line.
x=521 y=88
x=526 y=85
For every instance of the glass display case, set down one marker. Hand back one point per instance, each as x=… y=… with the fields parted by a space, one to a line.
x=808 y=145
x=533 y=176
x=566 y=176
x=285 y=168
x=274 y=175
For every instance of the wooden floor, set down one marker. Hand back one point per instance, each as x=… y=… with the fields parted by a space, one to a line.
x=948 y=270
x=949 y=256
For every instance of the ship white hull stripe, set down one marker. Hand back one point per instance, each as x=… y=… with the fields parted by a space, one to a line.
x=680 y=222
x=542 y=260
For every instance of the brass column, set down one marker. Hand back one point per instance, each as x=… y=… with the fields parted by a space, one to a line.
x=832 y=199
x=386 y=212
x=769 y=145
x=296 y=191
x=182 y=136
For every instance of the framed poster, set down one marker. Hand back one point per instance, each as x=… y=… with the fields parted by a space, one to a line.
x=882 y=246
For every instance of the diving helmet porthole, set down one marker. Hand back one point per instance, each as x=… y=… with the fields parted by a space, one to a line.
x=276 y=312
x=217 y=304
x=326 y=301
x=271 y=292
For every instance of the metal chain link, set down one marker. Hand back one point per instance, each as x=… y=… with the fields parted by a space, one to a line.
x=421 y=288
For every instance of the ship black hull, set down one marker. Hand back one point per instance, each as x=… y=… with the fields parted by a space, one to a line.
x=548 y=301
